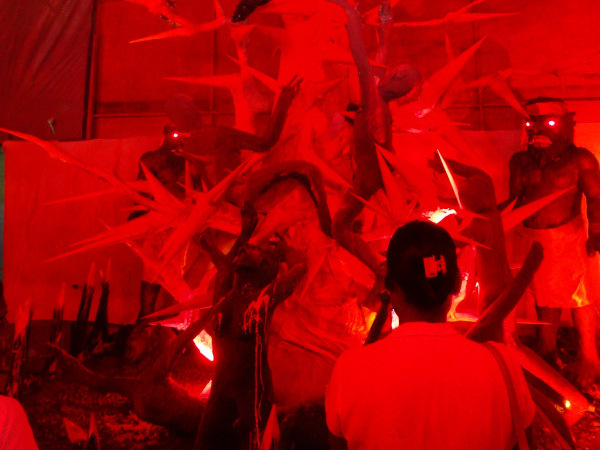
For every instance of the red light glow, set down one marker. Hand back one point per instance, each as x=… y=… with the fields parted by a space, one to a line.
x=439 y=214
x=552 y=123
x=206 y=391
x=204 y=344
x=175 y=135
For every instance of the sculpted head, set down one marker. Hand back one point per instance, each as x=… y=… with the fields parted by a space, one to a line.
x=182 y=111
x=400 y=81
x=550 y=126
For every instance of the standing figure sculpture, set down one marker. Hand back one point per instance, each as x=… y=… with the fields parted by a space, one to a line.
x=252 y=280
x=169 y=169
x=552 y=163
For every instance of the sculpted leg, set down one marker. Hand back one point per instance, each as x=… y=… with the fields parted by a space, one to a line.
x=148 y=295
x=587 y=368
x=547 y=333
x=343 y=230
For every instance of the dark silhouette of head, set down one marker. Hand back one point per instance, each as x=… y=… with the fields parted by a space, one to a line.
x=172 y=139
x=421 y=262
x=553 y=105
x=400 y=81
x=182 y=111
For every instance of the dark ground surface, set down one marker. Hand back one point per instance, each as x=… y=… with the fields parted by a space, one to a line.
x=50 y=399
x=587 y=430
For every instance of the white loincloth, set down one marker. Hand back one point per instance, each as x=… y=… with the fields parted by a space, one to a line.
x=562 y=278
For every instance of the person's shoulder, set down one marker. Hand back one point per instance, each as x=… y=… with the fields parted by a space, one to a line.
x=479 y=353
x=360 y=356
x=585 y=158
x=510 y=356
x=519 y=159
x=505 y=350
x=351 y=355
x=581 y=151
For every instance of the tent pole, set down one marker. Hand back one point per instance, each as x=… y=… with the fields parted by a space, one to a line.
x=89 y=102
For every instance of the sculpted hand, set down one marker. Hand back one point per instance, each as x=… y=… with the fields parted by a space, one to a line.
x=385 y=12
x=290 y=90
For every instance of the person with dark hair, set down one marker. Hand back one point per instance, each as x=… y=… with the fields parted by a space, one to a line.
x=552 y=163
x=407 y=260
x=425 y=386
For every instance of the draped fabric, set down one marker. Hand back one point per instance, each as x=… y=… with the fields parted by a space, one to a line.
x=43 y=66
x=37 y=228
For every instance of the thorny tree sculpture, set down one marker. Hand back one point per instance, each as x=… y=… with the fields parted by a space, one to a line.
x=372 y=127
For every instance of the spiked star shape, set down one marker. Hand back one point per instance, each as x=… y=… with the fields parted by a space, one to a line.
x=187 y=28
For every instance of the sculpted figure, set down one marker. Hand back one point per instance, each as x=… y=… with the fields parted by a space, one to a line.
x=551 y=163
x=251 y=281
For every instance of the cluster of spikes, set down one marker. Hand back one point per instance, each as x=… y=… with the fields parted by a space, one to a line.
x=403 y=194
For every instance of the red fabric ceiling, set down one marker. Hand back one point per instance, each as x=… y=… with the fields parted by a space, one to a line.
x=43 y=58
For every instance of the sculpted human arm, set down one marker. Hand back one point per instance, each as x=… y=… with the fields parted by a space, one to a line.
x=358 y=50
x=218 y=258
x=293 y=269
x=515 y=181
x=247 y=141
x=383 y=50
x=589 y=182
x=287 y=95
x=287 y=282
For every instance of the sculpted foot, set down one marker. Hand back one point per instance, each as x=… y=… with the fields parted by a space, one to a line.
x=585 y=373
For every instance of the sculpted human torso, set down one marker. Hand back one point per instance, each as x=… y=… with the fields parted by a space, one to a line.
x=536 y=180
